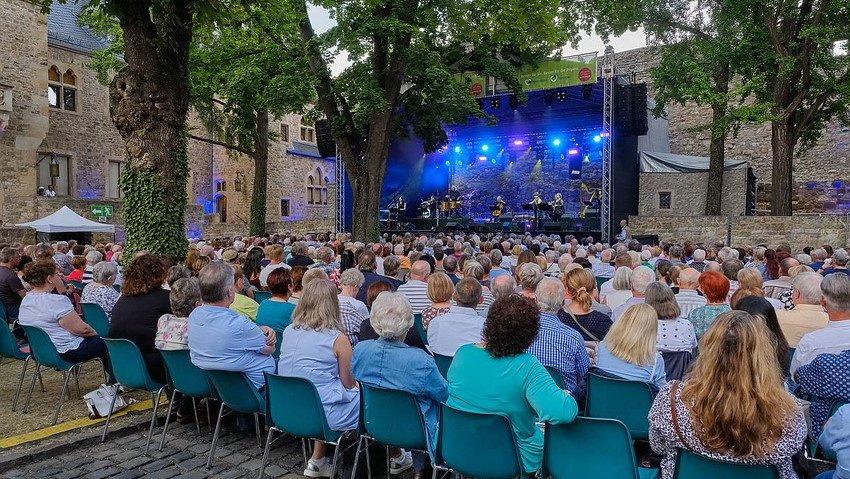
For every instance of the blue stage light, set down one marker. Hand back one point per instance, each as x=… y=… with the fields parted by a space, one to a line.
x=484 y=147
x=457 y=149
x=482 y=158
x=459 y=162
x=448 y=163
x=493 y=160
x=597 y=139
x=557 y=142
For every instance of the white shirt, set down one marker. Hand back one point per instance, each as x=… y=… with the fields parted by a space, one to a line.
x=688 y=300
x=380 y=262
x=834 y=338
x=264 y=273
x=44 y=310
x=416 y=292
x=450 y=331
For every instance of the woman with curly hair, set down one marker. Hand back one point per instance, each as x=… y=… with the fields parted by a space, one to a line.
x=732 y=406
x=497 y=376
x=137 y=311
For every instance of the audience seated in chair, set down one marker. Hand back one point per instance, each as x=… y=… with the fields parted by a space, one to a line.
x=629 y=349
x=462 y=324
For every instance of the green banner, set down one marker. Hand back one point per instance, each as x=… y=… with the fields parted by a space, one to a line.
x=101 y=211
x=570 y=71
x=477 y=84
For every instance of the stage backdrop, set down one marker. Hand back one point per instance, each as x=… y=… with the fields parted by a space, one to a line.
x=551 y=144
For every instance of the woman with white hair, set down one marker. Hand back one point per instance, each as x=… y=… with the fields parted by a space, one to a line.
x=622 y=292
x=530 y=275
x=314 y=347
x=389 y=363
x=100 y=290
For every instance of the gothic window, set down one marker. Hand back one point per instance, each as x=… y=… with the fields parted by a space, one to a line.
x=317 y=188
x=284 y=132
x=61 y=89
x=220 y=185
x=308 y=134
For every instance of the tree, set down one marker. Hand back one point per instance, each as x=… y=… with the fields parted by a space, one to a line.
x=798 y=77
x=148 y=102
x=242 y=69
x=406 y=56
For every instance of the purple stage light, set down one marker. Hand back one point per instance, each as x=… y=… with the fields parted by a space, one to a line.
x=572 y=151
x=517 y=142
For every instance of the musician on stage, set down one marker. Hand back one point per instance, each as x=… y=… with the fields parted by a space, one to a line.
x=498 y=208
x=536 y=200
x=557 y=207
x=454 y=194
x=399 y=204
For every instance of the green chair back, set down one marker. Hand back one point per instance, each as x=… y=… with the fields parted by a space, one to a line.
x=589 y=447
x=694 y=466
x=443 y=364
x=8 y=345
x=79 y=285
x=626 y=401
x=556 y=376
x=478 y=445
x=417 y=321
x=236 y=391
x=128 y=367
x=185 y=376
x=43 y=350
x=826 y=453
x=260 y=296
x=293 y=405
x=601 y=281
x=116 y=287
x=95 y=317
x=404 y=428
x=3 y=316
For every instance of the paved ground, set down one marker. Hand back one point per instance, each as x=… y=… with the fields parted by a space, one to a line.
x=184 y=456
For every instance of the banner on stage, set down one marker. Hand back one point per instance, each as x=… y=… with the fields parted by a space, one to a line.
x=562 y=72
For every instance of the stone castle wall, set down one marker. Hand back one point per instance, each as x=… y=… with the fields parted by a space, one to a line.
x=688 y=192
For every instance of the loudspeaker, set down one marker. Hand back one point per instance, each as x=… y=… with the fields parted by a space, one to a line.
x=551 y=226
x=630 y=114
x=651 y=240
x=457 y=225
x=324 y=139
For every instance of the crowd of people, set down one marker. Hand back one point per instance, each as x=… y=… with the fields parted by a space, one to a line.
x=741 y=345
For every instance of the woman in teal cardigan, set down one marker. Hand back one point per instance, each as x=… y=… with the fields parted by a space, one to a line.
x=498 y=376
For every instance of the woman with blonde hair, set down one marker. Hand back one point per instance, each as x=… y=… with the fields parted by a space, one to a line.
x=750 y=280
x=622 y=283
x=315 y=348
x=628 y=351
x=440 y=291
x=578 y=313
x=732 y=406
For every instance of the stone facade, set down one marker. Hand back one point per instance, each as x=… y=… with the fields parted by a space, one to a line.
x=687 y=192
x=798 y=231
x=94 y=150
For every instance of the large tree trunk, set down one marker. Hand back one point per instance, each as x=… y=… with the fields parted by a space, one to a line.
x=782 y=143
x=149 y=99
x=261 y=167
x=717 y=153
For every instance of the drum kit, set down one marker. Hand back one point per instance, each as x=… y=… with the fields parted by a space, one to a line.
x=447 y=207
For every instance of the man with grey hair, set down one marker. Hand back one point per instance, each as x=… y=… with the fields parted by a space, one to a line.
x=775 y=287
x=835 y=336
x=675 y=254
x=808 y=314
x=496 y=268
x=840 y=258
x=300 y=255
x=462 y=324
x=352 y=311
x=450 y=266
x=502 y=286
x=213 y=322
x=557 y=345
x=698 y=263
x=687 y=298
x=367 y=265
x=61 y=258
x=641 y=278
x=93 y=257
x=325 y=260
x=416 y=290
x=819 y=255
x=530 y=276
x=603 y=268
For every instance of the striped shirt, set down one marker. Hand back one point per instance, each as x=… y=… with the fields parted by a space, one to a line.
x=88 y=274
x=352 y=312
x=689 y=300
x=487 y=300
x=561 y=347
x=416 y=292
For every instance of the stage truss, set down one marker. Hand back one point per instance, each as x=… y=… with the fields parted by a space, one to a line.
x=607 y=117
x=340 y=194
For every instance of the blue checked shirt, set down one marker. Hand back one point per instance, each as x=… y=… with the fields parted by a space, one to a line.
x=561 y=347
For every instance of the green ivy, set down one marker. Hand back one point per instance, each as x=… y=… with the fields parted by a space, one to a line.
x=154 y=219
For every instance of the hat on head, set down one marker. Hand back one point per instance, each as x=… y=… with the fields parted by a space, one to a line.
x=229 y=255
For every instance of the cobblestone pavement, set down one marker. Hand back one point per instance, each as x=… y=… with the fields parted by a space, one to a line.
x=184 y=456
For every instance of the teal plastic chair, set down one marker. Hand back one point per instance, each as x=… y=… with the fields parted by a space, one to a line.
x=477 y=445
x=295 y=408
x=443 y=364
x=130 y=371
x=116 y=287
x=417 y=321
x=600 y=282
x=9 y=349
x=695 y=466
x=260 y=296
x=813 y=449
x=404 y=428
x=556 y=376
x=189 y=380
x=626 y=401
x=45 y=355
x=79 y=285
x=238 y=394
x=95 y=317
x=591 y=447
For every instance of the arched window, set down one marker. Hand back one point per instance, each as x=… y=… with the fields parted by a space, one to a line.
x=61 y=89
x=317 y=189
x=220 y=185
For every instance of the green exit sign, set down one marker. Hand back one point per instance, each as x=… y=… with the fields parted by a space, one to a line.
x=102 y=211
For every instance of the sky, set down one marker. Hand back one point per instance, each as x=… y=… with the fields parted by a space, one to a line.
x=631 y=40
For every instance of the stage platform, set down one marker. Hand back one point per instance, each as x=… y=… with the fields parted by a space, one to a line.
x=578 y=227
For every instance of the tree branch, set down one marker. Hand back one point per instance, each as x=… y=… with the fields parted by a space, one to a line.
x=221 y=143
x=679 y=26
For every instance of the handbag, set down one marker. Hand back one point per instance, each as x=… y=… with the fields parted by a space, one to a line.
x=99 y=400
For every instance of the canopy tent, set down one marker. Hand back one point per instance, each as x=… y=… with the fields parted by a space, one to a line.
x=65 y=220
x=670 y=163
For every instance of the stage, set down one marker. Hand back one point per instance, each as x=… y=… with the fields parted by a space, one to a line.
x=578 y=227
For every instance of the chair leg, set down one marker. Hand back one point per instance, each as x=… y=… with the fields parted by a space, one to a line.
x=195 y=410
x=209 y=418
x=40 y=381
x=167 y=419
x=368 y=463
x=304 y=450
x=266 y=452
x=32 y=386
x=357 y=455
x=67 y=375
x=109 y=415
x=77 y=377
x=257 y=429
x=153 y=419
x=215 y=435
x=20 y=384
x=337 y=450
x=388 y=463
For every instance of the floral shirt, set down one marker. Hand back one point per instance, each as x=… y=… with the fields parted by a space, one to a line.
x=665 y=441
x=172 y=333
x=430 y=313
x=103 y=296
x=703 y=316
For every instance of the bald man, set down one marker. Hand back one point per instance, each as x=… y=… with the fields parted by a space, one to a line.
x=416 y=290
x=688 y=298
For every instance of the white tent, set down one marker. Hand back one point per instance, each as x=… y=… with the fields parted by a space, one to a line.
x=65 y=220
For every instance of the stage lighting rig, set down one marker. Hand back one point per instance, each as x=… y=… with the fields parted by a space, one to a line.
x=495 y=103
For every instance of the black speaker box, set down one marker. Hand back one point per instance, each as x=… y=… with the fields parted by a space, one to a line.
x=324 y=139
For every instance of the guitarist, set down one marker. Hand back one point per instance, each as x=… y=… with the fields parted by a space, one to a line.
x=497 y=208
